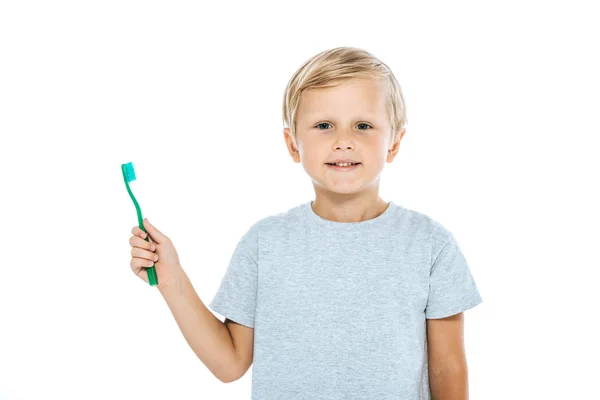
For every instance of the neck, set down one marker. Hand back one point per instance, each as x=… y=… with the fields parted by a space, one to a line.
x=353 y=207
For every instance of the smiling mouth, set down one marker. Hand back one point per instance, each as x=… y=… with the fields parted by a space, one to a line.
x=341 y=168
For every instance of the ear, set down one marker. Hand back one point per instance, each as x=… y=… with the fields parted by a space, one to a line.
x=291 y=146
x=395 y=146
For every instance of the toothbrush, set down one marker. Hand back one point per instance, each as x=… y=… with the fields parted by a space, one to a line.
x=129 y=176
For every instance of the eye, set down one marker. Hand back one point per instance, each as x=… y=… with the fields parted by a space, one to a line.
x=327 y=123
x=323 y=123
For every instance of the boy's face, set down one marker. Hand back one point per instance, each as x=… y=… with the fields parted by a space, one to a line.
x=349 y=121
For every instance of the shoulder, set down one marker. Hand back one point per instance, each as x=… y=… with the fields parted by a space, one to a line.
x=279 y=217
x=425 y=226
x=276 y=222
x=271 y=227
x=420 y=220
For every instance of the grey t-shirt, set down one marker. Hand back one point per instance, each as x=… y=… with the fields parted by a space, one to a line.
x=339 y=308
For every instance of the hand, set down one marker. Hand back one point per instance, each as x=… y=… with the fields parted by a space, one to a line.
x=159 y=252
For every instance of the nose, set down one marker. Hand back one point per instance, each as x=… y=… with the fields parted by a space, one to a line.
x=346 y=147
x=343 y=141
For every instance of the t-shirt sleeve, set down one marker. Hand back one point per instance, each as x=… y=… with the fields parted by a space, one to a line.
x=236 y=296
x=452 y=288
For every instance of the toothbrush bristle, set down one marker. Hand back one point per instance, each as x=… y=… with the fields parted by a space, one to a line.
x=129 y=172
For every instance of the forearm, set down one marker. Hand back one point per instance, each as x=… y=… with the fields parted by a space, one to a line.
x=449 y=385
x=208 y=337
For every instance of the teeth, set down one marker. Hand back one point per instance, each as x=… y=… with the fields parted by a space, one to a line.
x=343 y=164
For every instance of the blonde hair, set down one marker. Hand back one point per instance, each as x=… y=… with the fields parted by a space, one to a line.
x=333 y=66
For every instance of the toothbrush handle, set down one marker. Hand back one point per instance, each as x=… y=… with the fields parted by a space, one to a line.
x=152 y=278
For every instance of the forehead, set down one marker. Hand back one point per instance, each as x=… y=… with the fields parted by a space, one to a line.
x=357 y=95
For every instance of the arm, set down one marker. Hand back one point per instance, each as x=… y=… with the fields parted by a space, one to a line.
x=448 y=376
x=208 y=337
x=243 y=341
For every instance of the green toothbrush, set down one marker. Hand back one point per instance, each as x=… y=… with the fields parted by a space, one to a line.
x=129 y=176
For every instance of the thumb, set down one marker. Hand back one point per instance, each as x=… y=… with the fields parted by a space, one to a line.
x=156 y=235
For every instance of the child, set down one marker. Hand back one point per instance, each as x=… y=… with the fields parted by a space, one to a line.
x=345 y=296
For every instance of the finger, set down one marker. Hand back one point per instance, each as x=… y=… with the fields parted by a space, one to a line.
x=141 y=253
x=136 y=241
x=137 y=262
x=156 y=235
x=137 y=231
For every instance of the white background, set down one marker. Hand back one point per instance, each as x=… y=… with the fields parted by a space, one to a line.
x=501 y=148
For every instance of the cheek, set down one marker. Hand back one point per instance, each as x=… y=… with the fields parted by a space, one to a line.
x=377 y=152
x=311 y=161
x=383 y=150
x=311 y=154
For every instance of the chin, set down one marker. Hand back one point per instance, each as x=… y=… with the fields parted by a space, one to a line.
x=342 y=188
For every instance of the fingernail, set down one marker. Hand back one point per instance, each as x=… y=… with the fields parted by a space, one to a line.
x=153 y=248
